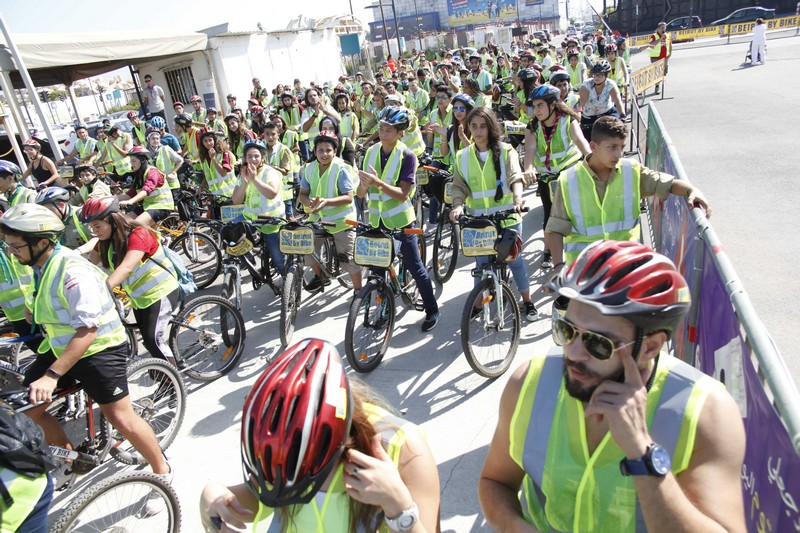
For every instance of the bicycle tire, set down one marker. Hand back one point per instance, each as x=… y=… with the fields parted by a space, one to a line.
x=374 y=311
x=485 y=292
x=208 y=336
x=332 y=263
x=132 y=343
x=126 y=506
x=445 y=250
x=228 y=290
x=290 y=301
x=158 y=395
x=205 y=264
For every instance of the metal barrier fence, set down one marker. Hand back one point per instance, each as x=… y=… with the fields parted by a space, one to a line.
x=724 y=337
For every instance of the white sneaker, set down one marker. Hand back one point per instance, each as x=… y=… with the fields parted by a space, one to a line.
x=155 y=502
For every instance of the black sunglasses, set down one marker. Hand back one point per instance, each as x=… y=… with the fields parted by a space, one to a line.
x=599 y=346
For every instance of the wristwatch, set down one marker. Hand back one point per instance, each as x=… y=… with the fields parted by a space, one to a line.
x=656 y=462
x=405 y=520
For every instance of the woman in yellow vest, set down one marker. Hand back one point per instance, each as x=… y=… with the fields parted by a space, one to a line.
x=457 y=134
x=134 y=258
x=347 y=465
x=487 y=178
x=149 y=187
x=348 y=127
x=165 y=160
x=217 y=165
x=238 y=135
x=259 y=189
x=555 y=131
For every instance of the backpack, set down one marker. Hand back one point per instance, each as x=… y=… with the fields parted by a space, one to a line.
x=186 y=284
x=22 y=445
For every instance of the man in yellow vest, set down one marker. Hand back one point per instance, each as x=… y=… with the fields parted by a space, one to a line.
x=660 y=47
x=84 y=337
x=85 y=147
x=14 y=192
x=608 y=432
x=387 y=179
x=599 y=197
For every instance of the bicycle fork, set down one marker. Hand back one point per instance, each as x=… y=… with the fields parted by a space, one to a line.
x=499 y=323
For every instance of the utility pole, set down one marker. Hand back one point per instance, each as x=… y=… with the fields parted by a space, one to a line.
x=419 y=26
x=396 y=31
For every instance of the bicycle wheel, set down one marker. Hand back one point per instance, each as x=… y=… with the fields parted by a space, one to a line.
x=158 y=395
x=208 y=337
x=445 y=251
x=228 y=290
x=290 y=301
x=490 y=349
x=369 y=326
x=132 y=343
x=332 y=263
x=201 y=256
x=118 y=504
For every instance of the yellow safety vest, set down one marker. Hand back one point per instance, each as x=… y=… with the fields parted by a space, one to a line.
x=616 y=218
x=51 y=308
x=483 y=182
x=274 y=159
x=121 y=162
x=85 y=148
x=567 y=489
x=438 y=139
x=563 y=151
x=161 y=197
x=412 y=137
x=16 y=287
x=21 y=195
x=349 y=126
x=332 y=514
x=326 y=186
x=161 y=162
x=257 y=204
x=148 y=283
x=382 y=207
x=139 y=131
x=218 y=184
x=26 y=493
x=656 y=50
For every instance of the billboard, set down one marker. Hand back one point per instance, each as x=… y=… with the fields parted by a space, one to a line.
x=463 y=12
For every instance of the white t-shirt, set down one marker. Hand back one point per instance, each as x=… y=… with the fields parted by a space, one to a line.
x=598 y=104
x=154 y=97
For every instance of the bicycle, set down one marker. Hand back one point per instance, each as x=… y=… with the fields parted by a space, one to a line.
x=240 y=238
x=370 y=321
x=206 y=336
x=491 y=316
x=158 y=396
x=445 y=242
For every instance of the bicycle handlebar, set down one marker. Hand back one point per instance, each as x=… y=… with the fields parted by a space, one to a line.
x=494 y=217
x=364 y=227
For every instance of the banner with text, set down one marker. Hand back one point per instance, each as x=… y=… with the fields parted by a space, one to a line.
x=772 y=24
x=463 y=12
x=647 y=77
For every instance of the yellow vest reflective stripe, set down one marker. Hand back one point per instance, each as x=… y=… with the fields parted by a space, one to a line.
x=656 y=50
x=413 y=137
x=256 y=204
x=617 y=218
x=274 y=159
x=438 y=139
x=26 y=493
x=382 y=207
x=417 y=102
x=482 y=183
x=85 y=148
x=21 y=195
x=162 y=160
x=484 y=80
x=121 y=162
x=99 y=188
x=192 y=143
x=348 y=126
x=326 y=186
x=148 y=282
x=289 y=138
x=76 y=234
x=161 y=197
x=618 y=71
x=367 y=104
x=331 y=511
x=51 y=309
x=575 y=75
x=16 y=293
x=565 y=489
x=139 y=131
x=218 y=184
x=563 y=151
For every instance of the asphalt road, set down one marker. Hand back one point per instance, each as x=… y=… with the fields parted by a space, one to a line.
x=732 y=126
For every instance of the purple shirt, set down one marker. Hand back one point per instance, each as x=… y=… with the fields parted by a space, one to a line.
x=408 y=168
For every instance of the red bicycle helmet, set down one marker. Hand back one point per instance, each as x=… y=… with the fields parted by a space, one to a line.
x=627 y=279
x=99 y=207
x=295 y=423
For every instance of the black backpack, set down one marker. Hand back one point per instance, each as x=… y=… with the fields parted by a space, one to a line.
x=22 y=445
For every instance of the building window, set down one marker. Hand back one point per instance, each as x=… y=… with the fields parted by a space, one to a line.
x=180 y=83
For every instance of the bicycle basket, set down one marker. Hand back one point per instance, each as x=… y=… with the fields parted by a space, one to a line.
x=230 y=212
x=236 y=238
x=478 y=238
x=509 y=245
x=373 y=248
x=422 y=176
x=296 y=239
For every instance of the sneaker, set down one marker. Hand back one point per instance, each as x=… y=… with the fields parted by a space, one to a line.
x=530 y=312
x=547 y=260
x=315 y=285
x=155 y=504
x=431 y=319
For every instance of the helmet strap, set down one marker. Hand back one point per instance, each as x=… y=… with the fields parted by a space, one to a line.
x=35 y=256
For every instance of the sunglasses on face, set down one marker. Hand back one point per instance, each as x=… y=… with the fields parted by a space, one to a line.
x=459 y=108
x=599 y=346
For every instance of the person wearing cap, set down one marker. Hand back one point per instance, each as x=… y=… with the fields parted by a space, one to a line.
x=16 y=294
x=84 y=338
x=85 y=148
x=139 y=129
x=166 y=138
x=149 y=187
x=178 y=108
x=199 y=113
x=153 y=97
x=214 y=122
x=480 y=74
x=166 y=160
x=41 y=168
x=259 y=93
x=120 y=143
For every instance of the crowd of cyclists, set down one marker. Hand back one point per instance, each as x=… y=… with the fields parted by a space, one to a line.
x=319 y=448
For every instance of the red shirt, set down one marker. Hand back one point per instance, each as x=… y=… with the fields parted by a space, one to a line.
x=152 y=181
x=143 y=240
x=663 y=40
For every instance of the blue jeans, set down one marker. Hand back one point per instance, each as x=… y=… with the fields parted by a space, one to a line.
x=517 y=267
x=413 y=262
x=304 y=150
x=433 y=209
x=36 y=522
x=272 y=242
x=289 y=208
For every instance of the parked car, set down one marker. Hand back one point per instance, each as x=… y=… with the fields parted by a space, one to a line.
x=746 y=14
x=684 y=23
